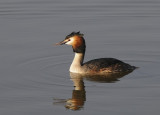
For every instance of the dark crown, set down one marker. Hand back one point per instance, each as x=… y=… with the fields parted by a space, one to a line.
x=74 y=34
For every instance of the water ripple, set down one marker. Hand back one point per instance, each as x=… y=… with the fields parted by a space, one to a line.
x=94 y=9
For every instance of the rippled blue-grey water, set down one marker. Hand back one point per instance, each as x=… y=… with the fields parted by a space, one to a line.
x=34 y=77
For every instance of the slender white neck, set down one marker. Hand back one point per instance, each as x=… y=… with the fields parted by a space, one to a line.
x=76 y=65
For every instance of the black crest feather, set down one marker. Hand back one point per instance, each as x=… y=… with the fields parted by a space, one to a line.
x=74 y=34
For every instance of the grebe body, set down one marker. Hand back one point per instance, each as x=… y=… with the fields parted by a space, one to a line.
x=96 y=66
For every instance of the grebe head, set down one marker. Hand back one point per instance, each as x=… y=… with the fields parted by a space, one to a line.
x=76 y=40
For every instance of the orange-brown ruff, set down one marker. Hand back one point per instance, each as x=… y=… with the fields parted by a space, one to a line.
x=96 y=66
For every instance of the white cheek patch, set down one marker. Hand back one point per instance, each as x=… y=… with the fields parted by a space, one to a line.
x=70 y=42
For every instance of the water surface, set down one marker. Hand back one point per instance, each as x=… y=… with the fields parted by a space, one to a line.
x=34 y=73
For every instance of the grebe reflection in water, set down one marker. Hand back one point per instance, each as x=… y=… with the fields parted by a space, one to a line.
x=79 y=93
x=96 y=66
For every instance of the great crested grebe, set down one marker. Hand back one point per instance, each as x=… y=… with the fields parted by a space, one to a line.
x=97 y=66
